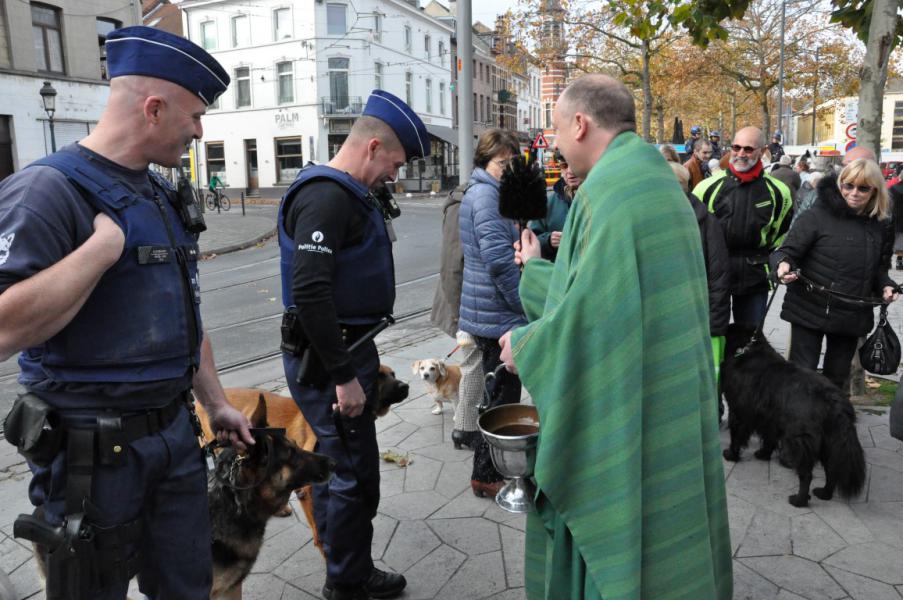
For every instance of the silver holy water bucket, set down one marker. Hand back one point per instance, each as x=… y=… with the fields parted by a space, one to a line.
x=512 y=430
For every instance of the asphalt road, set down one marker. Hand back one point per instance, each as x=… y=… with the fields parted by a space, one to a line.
x=241 y=292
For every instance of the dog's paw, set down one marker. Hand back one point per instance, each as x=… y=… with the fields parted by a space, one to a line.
x=799 y=500
x=437 y=410
x=730 y=455
x=762 y=454
x=822 y=493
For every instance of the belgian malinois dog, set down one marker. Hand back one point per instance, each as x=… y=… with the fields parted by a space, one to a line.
x=245 y=489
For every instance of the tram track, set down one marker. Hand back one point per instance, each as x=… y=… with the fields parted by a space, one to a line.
x=247 y=362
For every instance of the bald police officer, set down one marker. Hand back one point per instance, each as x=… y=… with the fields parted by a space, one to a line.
x=338 y=281
x=99 y=291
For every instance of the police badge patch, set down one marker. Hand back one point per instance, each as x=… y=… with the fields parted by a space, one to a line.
x=6 y=242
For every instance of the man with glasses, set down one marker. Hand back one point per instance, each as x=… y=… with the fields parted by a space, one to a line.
x=755 y=211
x=698 y=165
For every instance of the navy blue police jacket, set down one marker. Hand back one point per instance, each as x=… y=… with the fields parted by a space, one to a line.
x=364 y=279
x=142 y=322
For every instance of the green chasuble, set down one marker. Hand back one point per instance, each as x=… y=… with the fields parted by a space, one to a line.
x=618 y=359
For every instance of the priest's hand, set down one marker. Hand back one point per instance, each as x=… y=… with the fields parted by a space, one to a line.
x=506 y=355
x=527 y=247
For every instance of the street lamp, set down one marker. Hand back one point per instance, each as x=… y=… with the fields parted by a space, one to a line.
x=48 y=97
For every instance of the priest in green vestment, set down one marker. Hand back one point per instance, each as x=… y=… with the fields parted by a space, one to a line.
x=618 y=360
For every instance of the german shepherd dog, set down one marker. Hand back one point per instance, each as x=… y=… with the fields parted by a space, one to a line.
x=245 y=489
x=283 y=412
x=799 y=409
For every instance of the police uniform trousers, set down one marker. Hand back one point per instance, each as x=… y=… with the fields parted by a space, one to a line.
x=345 y=506
x=164 y=483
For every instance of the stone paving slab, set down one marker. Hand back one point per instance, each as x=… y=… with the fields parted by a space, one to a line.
x=452 y=545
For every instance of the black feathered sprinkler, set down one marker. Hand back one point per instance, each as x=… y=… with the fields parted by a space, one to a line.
x=522 y=192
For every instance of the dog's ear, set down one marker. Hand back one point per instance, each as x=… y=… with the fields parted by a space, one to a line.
x=415 y=366
x=259 y=417
x=442 y=370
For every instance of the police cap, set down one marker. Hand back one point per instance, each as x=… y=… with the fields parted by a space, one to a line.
x=408 y=127
x=152 y=52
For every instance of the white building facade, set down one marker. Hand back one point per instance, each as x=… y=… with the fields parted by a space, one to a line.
x=301 y=73
x=528 y=87
x=60 y=42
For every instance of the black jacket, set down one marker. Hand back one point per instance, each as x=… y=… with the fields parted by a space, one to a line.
x=717 y=267
x=896 y=203
x=842 y=251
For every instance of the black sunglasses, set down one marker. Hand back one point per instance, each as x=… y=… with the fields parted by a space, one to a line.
x=747 y=149
x=864 y=189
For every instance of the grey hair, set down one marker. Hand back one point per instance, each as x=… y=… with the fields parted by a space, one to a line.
x=604 y=99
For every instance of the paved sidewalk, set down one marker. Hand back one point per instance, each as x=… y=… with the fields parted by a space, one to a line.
x=230 y=231
x=453 y=546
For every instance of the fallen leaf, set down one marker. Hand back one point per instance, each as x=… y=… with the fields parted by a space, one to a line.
x=402 y=460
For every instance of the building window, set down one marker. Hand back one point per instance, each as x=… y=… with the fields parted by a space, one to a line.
x=242 y=86
x=285 y=74
x=407 y=38
x=282 y=24
x=4 y=53
x=335 y=19
x=104 y=27
x=441 y=52
x=409 y=89
x=48 y=38
x=548 y=124
x=241 y=31
x=216 y=161
x=429 y=95
x=897 y=132
x=378 y=75
x=377 y=27
x=442 y=98
x=289 y=159
x=427 y=43
x=475 y=109
x=338 y=82
x=208 y=35
x=488 y=109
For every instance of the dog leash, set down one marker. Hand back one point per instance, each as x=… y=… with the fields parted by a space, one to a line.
x=843 y=297
x=455 y=349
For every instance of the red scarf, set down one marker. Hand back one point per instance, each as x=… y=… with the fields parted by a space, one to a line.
x=750 y=175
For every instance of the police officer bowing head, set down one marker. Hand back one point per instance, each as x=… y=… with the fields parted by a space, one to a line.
x=387 y=135
x=99 y=292
x=338 y=285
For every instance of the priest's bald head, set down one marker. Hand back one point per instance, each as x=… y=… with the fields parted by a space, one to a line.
x=590 y=113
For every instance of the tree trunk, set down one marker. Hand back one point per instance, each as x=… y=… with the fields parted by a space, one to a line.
x=766 y=116
x=647 y=94
x=660 y=113
x=873 y=74
x=733 y=120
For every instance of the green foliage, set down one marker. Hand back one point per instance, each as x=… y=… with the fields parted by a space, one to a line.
x=857 y=15
x=702 y=18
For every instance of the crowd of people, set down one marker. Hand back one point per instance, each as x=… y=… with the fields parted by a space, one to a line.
x=610 y=311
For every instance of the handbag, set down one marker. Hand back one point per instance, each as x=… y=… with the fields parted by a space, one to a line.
x=880 y=354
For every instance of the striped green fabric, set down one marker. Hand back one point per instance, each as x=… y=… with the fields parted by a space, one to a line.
x=618 y=360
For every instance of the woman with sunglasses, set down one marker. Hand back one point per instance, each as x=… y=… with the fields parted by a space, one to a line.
x=490 y=301
x=843 y=243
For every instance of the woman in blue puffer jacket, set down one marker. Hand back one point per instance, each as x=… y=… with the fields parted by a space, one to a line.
x=490 y=304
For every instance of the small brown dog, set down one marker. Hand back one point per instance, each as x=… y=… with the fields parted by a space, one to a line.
x=441 y=380
x=282 y=412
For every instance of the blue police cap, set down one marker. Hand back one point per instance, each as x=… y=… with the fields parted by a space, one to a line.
x=156 y=53
x=408 y=127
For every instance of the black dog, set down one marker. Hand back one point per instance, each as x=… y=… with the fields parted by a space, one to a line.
x=246 y=489
x=797 y=408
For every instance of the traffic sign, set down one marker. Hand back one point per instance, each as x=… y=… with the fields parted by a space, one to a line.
x=850 y=145
x=851 y=131
x=540 y=142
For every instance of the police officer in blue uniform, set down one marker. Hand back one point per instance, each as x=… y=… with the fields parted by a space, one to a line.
x=338 y=282
x=99 y=291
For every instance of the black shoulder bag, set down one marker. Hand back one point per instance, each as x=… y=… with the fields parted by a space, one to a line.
x=880 y=354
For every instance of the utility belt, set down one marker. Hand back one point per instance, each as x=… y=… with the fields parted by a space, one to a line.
x=311 y=371
x=81 y=556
